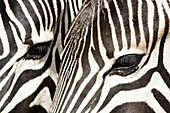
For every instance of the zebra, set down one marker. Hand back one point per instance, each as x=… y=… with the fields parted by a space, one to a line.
x=116 y=59
x=32 y=33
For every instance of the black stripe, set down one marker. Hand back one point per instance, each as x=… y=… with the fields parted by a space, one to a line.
x=135 y=20
x=48 y=14
x=58 y=20
x=57 y=57
x=161 y=68
x=124 y=11
x=70 y=62
x=116 y=23
x=63 y=27
x=67 y=64
x=28 y=75
x=72 y=3
x=155 y=32
x=19 y=14
x=33 y=15
x=140 y=83
x=70 y=86
x=53 y=13
x=96 y=51
x=67 y=55
x=68 y=18
x=12 y=44
x=70 y=70
x=40 y=10
x=69 y=14
x=145 y=21
x=1 y=47
x=18 y=32
x=85 y=66
x=57 y=61
x=59 y=9
x=84 y=93
x=77 y=5
x=6 y=86
x=94 y=100
x=24 y=106
x=106 y=33
x=5 y=74
x=161 y=100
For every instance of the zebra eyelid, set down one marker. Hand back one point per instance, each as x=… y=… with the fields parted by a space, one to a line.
x=124 y=71
x=38 y=51
x=127 y=61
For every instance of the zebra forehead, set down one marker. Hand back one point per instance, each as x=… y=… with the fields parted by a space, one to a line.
x=120 y=25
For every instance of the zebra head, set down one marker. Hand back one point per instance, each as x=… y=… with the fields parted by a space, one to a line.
x=116 y=59
x=31 y=41
x=27 y=74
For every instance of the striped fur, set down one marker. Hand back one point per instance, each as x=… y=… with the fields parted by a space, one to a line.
x=31 y=33
x=103 y=32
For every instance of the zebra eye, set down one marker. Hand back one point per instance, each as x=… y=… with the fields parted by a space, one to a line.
x=128 y=61
x=38 y=51
x=125 y=65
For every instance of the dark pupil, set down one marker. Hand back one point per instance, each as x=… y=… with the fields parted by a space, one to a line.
x=39 y=49
x=128 y=60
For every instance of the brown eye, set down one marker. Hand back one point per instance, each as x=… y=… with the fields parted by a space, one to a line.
x=127 y=61
x=38 y=51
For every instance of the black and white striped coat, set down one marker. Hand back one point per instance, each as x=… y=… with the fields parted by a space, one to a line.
x=116 y=59
x=31 y=33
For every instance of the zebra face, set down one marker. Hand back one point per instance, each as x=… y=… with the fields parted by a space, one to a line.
x=26 y=69
x=116 y=59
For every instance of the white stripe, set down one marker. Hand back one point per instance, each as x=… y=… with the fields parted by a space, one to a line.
x=27 y=89
x=132 y=29
x=124 y=39
x=4 y=39
x=37 y=13
x=75 y=7
x=20 y=53
x=139 y=95
x=114 y=37
x=161 y=19
x=142 y=43
x=71 y=10
x=15 y=20
x=56 y=13
x=166 y=53
x=51 y=15
x=77 y=78
x=45 y=13
x=30 y=20
x=21 y=47
x=150 y=22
